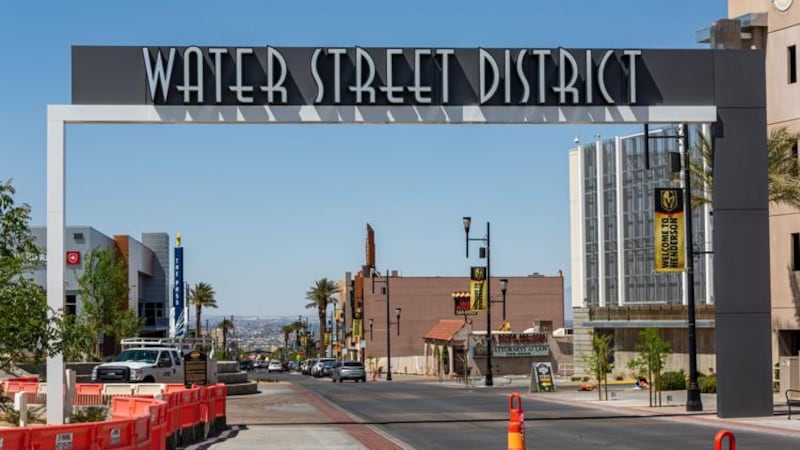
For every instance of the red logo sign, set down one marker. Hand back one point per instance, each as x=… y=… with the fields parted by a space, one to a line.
x=73 y=258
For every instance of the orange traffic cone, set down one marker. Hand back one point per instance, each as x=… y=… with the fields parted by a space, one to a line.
x=516 y=423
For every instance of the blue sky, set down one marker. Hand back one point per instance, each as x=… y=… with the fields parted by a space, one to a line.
x=267 y=210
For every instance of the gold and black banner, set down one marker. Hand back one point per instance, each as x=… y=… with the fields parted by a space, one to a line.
x=477 y=288
x=669 y=233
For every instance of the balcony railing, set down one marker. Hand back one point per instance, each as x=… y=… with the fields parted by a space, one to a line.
x=650 y=312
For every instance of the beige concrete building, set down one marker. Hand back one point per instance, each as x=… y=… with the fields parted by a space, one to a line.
x=775 y=26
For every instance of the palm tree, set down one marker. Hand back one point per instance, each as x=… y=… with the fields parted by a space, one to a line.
x=287 y=330
x=783 y=172
x=202 y=296
x=226 y=325
x=319 y=296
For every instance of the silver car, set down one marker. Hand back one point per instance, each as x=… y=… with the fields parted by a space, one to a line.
x=349 y=370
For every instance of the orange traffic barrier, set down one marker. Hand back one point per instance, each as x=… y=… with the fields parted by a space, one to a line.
x=516 y=423
x=15 y=438
x=88 y=395
x=63 y=436
x=720 y=437
x=220 y=399
x=141 y=428
x=158 y=425
x=115 y=434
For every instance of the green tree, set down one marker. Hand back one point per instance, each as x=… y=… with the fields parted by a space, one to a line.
x=783 y=172
x=600 y=362
x=202 y=295
x=319 y=296
x=28 y=328
x=77 y=339
x=653 y=352
x=226 y=325
x=104 y=297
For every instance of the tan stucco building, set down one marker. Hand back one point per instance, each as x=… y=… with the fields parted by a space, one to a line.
x=775 y=26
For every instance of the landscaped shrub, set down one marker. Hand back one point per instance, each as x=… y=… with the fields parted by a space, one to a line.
x=708 y=385
x=575 y=378
x=673 y=381
x=619 y=377
x=585 y=379
x=89 y=414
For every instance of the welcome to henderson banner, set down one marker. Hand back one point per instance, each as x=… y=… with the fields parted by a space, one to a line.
x=669 y=233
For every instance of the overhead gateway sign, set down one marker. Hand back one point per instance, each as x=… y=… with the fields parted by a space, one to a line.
x=387 y=76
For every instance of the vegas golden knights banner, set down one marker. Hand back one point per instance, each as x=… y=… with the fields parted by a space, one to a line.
x=669 y=233
x=477 y=288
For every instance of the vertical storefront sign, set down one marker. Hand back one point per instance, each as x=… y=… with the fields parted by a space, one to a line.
x=669 y=221
x=477 y=288
x=177 y=295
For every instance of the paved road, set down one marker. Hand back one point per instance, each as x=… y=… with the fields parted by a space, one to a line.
x=443 y=416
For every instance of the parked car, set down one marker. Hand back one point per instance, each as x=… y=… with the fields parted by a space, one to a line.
x=275 y=366
x=247 y=365
x=349 y=370
x=316 y=369
x=327 y=368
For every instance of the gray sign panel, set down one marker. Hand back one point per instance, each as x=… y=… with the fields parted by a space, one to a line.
x=390 y=76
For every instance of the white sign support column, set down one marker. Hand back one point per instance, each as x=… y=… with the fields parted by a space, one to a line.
x=55 y=257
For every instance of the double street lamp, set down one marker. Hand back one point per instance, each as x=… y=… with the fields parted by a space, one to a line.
x=485 y=253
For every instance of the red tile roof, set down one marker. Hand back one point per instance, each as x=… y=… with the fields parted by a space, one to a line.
x=444 y=330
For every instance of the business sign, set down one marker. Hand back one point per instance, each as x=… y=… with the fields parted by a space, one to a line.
x=333 y=76
x=73 y=258
x=670 y=248
x=461 y=304
x=542 y=377
x=370 y=247
x=178 y=310
x=195 y=368
x=512 y=345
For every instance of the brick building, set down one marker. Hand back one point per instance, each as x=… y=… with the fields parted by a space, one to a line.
x=533 y=301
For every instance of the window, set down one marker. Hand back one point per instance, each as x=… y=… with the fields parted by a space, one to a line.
x=794 y=151
x=796 y=251
x=791 y=60
x=72 y=305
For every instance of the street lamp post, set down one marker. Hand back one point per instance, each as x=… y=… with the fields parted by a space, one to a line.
x=467 y=221
x=693 y=400
x=388 y=323
x=503 y=288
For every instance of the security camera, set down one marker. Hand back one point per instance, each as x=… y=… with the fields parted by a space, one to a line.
x=577 y=140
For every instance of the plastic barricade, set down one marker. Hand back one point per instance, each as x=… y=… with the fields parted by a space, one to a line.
x=170 y=388
x=149 y=389
x=115 y=434
x=14 y=438
x=158 y=425
x=173 y=419
x=78 y=436
x=88 y=395
x=190 y=413
x=122 y=407
x=141 y=429
x=13 y=386
x=117 y=389
x=211 y=402
x=220 y=399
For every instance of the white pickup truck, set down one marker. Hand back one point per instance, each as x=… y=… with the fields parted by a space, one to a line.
x=150 y=360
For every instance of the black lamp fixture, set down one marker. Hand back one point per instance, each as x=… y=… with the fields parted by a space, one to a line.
x=370 y=329
x=397 y=314
x=503 y=288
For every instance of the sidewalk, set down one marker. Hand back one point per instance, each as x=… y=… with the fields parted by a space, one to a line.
x=623 y=399
x=284 y=415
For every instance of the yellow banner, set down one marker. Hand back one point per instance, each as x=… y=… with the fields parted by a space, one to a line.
x=477 y=289
x=669 y=222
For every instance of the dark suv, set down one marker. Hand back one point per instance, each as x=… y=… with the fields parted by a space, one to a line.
x=349 y=370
